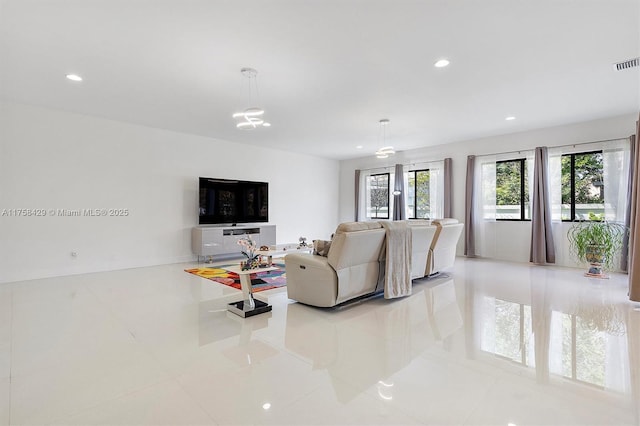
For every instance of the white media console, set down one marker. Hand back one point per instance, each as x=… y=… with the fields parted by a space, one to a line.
x=215 y=240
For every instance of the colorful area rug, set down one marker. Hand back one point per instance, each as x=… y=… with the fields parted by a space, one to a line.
x=260 y=281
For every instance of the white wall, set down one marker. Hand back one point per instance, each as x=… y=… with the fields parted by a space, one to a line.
x=51 y=159
x=513 y=237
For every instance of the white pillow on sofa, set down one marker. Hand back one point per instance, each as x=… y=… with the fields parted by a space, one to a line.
x=321 y=247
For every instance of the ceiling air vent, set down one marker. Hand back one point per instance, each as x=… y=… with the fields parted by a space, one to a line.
x=630 y=63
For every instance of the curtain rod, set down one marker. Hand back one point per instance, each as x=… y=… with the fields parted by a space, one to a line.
x=556 y=146
x=497 y=153
x=413 y=163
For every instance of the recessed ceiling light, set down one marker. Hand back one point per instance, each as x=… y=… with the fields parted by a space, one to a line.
x=74 y=77
x=511 y=117
x=359 y=147
x=441 y=63
x=266 y=124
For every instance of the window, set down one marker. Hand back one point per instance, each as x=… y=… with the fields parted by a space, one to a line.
x=512 y=190
x=418 y=195
x=423 y=192
x=378 y=196
x=582 y=186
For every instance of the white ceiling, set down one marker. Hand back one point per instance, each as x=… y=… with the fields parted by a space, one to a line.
x=328 y=70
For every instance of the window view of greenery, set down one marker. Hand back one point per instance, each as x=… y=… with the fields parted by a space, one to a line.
x=378 y=207
x=418 y=197
x=512 y=190
x=588 y=349
x=503 y=337
x=582 y=186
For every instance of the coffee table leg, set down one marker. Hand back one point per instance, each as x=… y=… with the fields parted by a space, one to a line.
x=247 y=293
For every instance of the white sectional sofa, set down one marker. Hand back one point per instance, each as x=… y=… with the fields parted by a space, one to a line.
x=355 y=264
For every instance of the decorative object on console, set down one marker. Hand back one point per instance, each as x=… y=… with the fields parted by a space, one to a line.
x=598 y=243
x=252 y=116
x=386 y=150
x=303 y=242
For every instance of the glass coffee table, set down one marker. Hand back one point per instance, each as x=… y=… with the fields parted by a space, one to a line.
x=248 y=306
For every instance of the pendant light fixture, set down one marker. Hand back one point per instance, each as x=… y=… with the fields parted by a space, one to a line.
x=386 y=150
x=252 y=117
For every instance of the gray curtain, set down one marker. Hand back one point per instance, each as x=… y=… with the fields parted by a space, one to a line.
x=634 y=223
x=469 y=239
x=357 y=196
x=447 y=188
x=542 y=246
x=398 y=196
x=624 y=259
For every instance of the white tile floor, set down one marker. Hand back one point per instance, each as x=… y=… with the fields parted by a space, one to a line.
x=489 y=343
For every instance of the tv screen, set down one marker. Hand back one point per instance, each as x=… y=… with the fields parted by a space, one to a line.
x=225 y=201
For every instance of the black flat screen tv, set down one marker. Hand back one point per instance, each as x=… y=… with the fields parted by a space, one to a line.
x=226 y=201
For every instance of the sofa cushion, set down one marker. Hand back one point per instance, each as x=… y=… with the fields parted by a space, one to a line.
x=419 y=222
x=357 y=226
x=446 y=221
x=321 y=247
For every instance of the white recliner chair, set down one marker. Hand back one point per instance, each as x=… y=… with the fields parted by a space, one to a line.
x=351 y=269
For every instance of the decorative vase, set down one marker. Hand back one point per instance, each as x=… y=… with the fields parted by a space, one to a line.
x=249 y=251
x=594 y=254
x=252 y=263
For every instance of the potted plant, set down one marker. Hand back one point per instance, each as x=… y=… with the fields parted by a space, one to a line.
x=249 y=250
x=596 y=242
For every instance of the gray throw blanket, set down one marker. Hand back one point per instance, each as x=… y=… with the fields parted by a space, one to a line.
x=397 y=280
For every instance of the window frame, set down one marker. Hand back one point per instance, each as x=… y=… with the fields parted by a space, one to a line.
x=572 y=183
x=522 y=162
x=415 y=195
x=388 y=175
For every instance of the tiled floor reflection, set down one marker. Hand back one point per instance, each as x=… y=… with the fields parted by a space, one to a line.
x=487 y=343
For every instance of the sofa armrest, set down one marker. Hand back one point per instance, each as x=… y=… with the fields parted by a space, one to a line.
x=445 y=221
x=311 y=280
x=307 y=259
x=443 y=252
